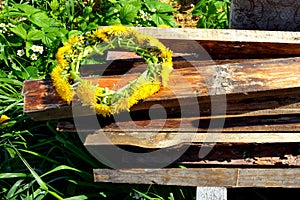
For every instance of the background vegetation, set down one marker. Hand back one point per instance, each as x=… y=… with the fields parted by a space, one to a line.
x=37 y=162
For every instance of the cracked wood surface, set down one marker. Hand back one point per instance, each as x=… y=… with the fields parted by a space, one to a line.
x=271 y=85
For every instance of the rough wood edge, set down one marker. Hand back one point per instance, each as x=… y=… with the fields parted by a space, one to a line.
x=205 y=177
x=164 y=140
x=232 y=35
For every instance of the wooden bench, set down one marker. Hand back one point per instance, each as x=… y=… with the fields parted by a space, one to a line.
x=255 y=74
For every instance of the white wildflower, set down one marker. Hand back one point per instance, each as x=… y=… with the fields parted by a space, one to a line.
x=41 y=49
x=33 y=56
x=2 y=25
x=116 y=10
x=36 y=48
x=153 y=10
x=20 y=52
x=11 y=25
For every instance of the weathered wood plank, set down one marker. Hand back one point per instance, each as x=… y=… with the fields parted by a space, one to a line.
x=162 y=140
x=163 y=133
x=275 y=80
x=228 y=43
x=205 y=177
x=231 y=35
x=241 y=154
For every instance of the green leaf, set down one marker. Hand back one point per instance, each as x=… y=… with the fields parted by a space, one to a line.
x=13 y=175
x=74 y=33
x=113 y=21
x=13 y=189
x=27 y=8
x=20 y=31
x=32 y=72
x=41 y=19
x=28 y=47
x=11 y=81
x=15 y=67
x=128 y=13
x=55 y=31
x=212 y=10
x=3 y=74
x=81 y=197
x=197 y=11
x=38 y=179
x=160 y=19
x=135 y=3
x=159 y=7
x=35 y=35
x=11 y=152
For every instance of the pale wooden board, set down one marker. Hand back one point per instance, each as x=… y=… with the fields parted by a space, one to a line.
x=163 y=133
x=228 y=43
x=231 y=35
x=205 y=177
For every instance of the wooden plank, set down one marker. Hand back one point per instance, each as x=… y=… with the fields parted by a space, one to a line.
x=240 y=154
x=211 y=193
x=231 y=35
x=163 y=140
x=228 y=43
x=173 y=131
x=275 y=80
x=205 y=177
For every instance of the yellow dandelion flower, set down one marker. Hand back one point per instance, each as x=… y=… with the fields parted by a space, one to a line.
x=86 y=92
x=62 y=86
x=102 y=109
x=166 y=54
x=120 y=105
x=143 y=92
x=155 y=42
x=60 y=55
x=165 y=72
x=142 y=39
x=101 y=35
x=3 y=120
x=74 y=39
x=117 y=30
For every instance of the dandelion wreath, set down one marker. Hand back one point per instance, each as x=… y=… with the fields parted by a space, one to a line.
x=67 y=80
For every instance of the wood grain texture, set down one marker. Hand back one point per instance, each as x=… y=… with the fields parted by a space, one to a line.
x=248 y=86
x=228 y=43
x=278 y=155
x=205 y=177
x=162 y=133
